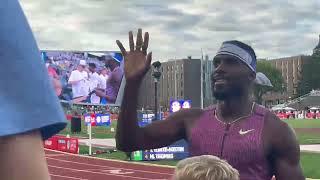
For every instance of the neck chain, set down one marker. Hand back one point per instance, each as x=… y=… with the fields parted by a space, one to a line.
x=239 y=118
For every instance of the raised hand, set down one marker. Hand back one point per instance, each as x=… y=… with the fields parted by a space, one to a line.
x=136 y=61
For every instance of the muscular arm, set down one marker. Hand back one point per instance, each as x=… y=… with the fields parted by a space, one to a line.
x=285 y=152
x=131 y=137
x=22 y=157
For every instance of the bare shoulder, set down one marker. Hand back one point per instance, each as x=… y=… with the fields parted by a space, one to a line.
x=187 y=115
x=271 y=119
x=275 y=125
x=283 y=148
x=187 y=112
x=281 y=137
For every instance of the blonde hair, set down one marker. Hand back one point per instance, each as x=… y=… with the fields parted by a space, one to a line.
x=205 y=167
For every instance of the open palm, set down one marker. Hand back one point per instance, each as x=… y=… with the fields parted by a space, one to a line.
x=136 y=61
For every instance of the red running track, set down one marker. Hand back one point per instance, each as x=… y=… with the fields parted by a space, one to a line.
x=64 y=166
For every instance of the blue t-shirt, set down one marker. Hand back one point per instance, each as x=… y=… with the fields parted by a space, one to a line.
x=27 y=99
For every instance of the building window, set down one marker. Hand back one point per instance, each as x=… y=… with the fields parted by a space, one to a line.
x=181 y=93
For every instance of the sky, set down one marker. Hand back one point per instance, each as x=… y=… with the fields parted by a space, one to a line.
x=178 y=28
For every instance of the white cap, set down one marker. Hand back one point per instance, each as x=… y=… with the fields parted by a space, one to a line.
x=263 y=80
x=82 y=62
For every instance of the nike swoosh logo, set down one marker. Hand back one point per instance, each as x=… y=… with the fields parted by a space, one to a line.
x=241 y=132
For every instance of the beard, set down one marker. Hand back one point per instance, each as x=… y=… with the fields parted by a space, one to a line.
x=220 y=95
x=233 y=92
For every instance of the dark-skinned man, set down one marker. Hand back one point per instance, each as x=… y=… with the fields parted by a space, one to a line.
x=113 y=82
x=250 y=137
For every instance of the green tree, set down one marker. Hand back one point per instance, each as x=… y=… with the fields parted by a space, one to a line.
x=310 y=76
x=275 y=77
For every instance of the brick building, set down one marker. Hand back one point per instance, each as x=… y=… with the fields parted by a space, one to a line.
x=180 y=79
x=290 y=68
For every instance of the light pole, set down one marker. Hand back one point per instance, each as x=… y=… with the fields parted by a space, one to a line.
x=156 y=76
x=201 y=80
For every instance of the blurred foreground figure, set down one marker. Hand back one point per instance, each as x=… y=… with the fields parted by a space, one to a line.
x=205 y=167
x=30 y=110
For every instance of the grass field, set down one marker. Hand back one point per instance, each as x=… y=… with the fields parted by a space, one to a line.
x=99 y=132
x=310 y=165
x=303 y=123
x=307 y=130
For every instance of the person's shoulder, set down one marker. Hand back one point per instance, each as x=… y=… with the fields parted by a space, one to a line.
x=279 y=135
x=275 y=126
x=187 y=114
x=272 y=122
x=272 y=118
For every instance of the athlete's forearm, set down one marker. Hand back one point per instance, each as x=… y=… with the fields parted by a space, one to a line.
x=128 y=133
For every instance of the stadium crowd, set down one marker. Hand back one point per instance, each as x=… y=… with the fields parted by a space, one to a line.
x=83 y=77
x=294 y=114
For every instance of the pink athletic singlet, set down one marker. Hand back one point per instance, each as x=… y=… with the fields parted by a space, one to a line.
x=239 y=143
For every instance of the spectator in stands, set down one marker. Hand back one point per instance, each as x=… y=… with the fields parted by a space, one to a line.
x=57 y=86
x=102 y=86
x=79 y=81
x=51 y=71
x=103 y=78
x=205 y=167
x=94 y=80
x=60 y=91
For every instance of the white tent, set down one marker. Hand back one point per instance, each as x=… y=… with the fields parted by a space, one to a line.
x=277 y=107
x=288 y=109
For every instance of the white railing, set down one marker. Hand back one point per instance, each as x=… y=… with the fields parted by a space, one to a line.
x=298 y=99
